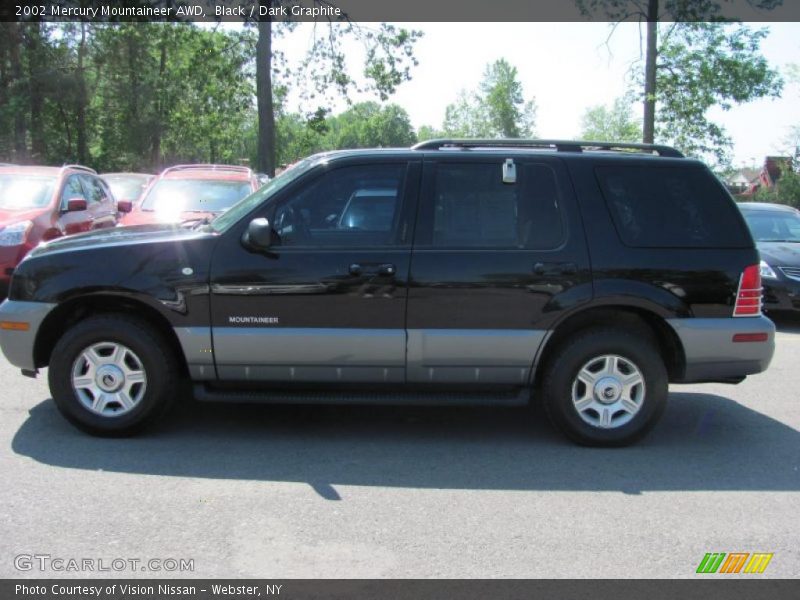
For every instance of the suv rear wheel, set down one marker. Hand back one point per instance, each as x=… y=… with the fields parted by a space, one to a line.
x=113 y=375
x=606 y=387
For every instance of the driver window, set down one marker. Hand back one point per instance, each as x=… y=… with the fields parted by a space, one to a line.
x=346 y=207
x=72 y=189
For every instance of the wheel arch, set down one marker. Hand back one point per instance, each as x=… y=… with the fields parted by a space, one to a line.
x=633 y=318
x=77 y=308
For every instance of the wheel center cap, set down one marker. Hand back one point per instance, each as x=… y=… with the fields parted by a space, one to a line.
x=607 y=390
x=109 y=378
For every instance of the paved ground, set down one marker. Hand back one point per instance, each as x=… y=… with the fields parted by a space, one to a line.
x=368 y=492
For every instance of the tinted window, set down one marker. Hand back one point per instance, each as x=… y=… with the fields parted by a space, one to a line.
x=72 y=189
x=670 y=207
x=351 y=206
x=773 y=226
x=474 y=208
x=94 y=192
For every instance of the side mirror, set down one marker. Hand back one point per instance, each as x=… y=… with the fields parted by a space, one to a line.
x=258 y=234
x=124 y=206
x=76 y=204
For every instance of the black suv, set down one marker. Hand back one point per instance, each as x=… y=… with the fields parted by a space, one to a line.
x=589 y=275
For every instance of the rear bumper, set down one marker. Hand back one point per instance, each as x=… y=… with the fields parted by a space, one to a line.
x=712 y=355
x=18 y=345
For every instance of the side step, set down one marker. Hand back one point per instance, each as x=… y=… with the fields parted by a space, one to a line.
x=518 y=397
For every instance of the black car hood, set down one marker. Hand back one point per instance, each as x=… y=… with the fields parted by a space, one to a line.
x=142 y=234
x=780 y=253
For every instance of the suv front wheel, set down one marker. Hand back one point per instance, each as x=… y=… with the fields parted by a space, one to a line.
x=113 y=375
x=605 y=387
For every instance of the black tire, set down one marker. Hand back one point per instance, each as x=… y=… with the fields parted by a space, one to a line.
x=156 y=359
x=561 y=372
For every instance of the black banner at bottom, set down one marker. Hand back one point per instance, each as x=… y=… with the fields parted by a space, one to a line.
x=713 y=588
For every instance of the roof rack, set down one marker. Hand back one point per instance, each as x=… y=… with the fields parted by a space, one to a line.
x=558 y=145
x=208 y=167
x=79 y=168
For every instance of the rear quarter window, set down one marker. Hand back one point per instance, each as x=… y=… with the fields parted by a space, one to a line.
x=670 y=207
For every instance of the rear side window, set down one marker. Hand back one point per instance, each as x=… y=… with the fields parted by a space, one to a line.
x=473 y=208
x=670 y=207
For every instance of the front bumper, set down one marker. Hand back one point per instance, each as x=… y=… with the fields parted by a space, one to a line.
x=712 y=355
x=17 y=344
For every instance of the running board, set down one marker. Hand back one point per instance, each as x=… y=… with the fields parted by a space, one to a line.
x=521 y=397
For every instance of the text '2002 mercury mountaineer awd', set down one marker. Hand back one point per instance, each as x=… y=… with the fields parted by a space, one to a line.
x=585 y=275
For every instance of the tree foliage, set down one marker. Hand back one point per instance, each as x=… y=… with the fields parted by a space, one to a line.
x=615 y=123
x=702 y=65
x=324 y=73
x=682 y=14
x=498 y=107
x=363 y=125
x=126 y=95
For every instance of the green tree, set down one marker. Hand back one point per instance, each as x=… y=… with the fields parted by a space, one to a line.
x=615 y=123
x=497 y=109
x=785 y=191
x=389 y=57
x=369 y=124
x=651 y=12
x=701 y=65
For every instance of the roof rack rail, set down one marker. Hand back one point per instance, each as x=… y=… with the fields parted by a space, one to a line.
x=208 y=167
x=558 y=145
x=79 y=168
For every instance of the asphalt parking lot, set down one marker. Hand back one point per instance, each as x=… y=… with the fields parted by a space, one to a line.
x=276 y=491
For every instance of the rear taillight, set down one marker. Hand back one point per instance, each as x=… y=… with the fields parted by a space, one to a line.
x=748 y=296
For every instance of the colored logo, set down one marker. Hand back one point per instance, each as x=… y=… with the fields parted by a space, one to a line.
x=735 y=562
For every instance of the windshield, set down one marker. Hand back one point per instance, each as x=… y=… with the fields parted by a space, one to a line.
x=227 y=219
x=773 y=226
x=174 y=196
x=128 y=187
x=18 y=192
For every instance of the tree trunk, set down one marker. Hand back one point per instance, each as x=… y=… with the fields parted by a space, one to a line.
x=266 y=111
x=83 y=149
x=650 y=73
x=155 y=155
x=20 y=127
x=34 y=46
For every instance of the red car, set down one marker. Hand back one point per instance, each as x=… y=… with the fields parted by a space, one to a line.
x=192 y=192
x=42 y=203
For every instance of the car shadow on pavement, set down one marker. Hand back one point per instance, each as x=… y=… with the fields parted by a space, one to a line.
x=703 y=442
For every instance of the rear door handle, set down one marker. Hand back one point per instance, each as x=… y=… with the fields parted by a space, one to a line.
x=555 y=268
x=387 y=269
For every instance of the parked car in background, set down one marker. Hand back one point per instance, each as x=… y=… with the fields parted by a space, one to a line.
x=43 y=203
x=776 y=230
x=192 y=193
x=127 y=187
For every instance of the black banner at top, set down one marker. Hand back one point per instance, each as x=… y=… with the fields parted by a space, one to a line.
x=397 y=10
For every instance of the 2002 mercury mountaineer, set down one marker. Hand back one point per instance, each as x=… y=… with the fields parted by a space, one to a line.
x=587 y=274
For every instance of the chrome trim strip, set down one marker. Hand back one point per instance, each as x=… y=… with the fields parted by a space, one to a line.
x=503 y=356
x=310 y=354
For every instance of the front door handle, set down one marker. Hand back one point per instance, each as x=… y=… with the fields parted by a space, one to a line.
x=555 y=268
x=386 y=269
